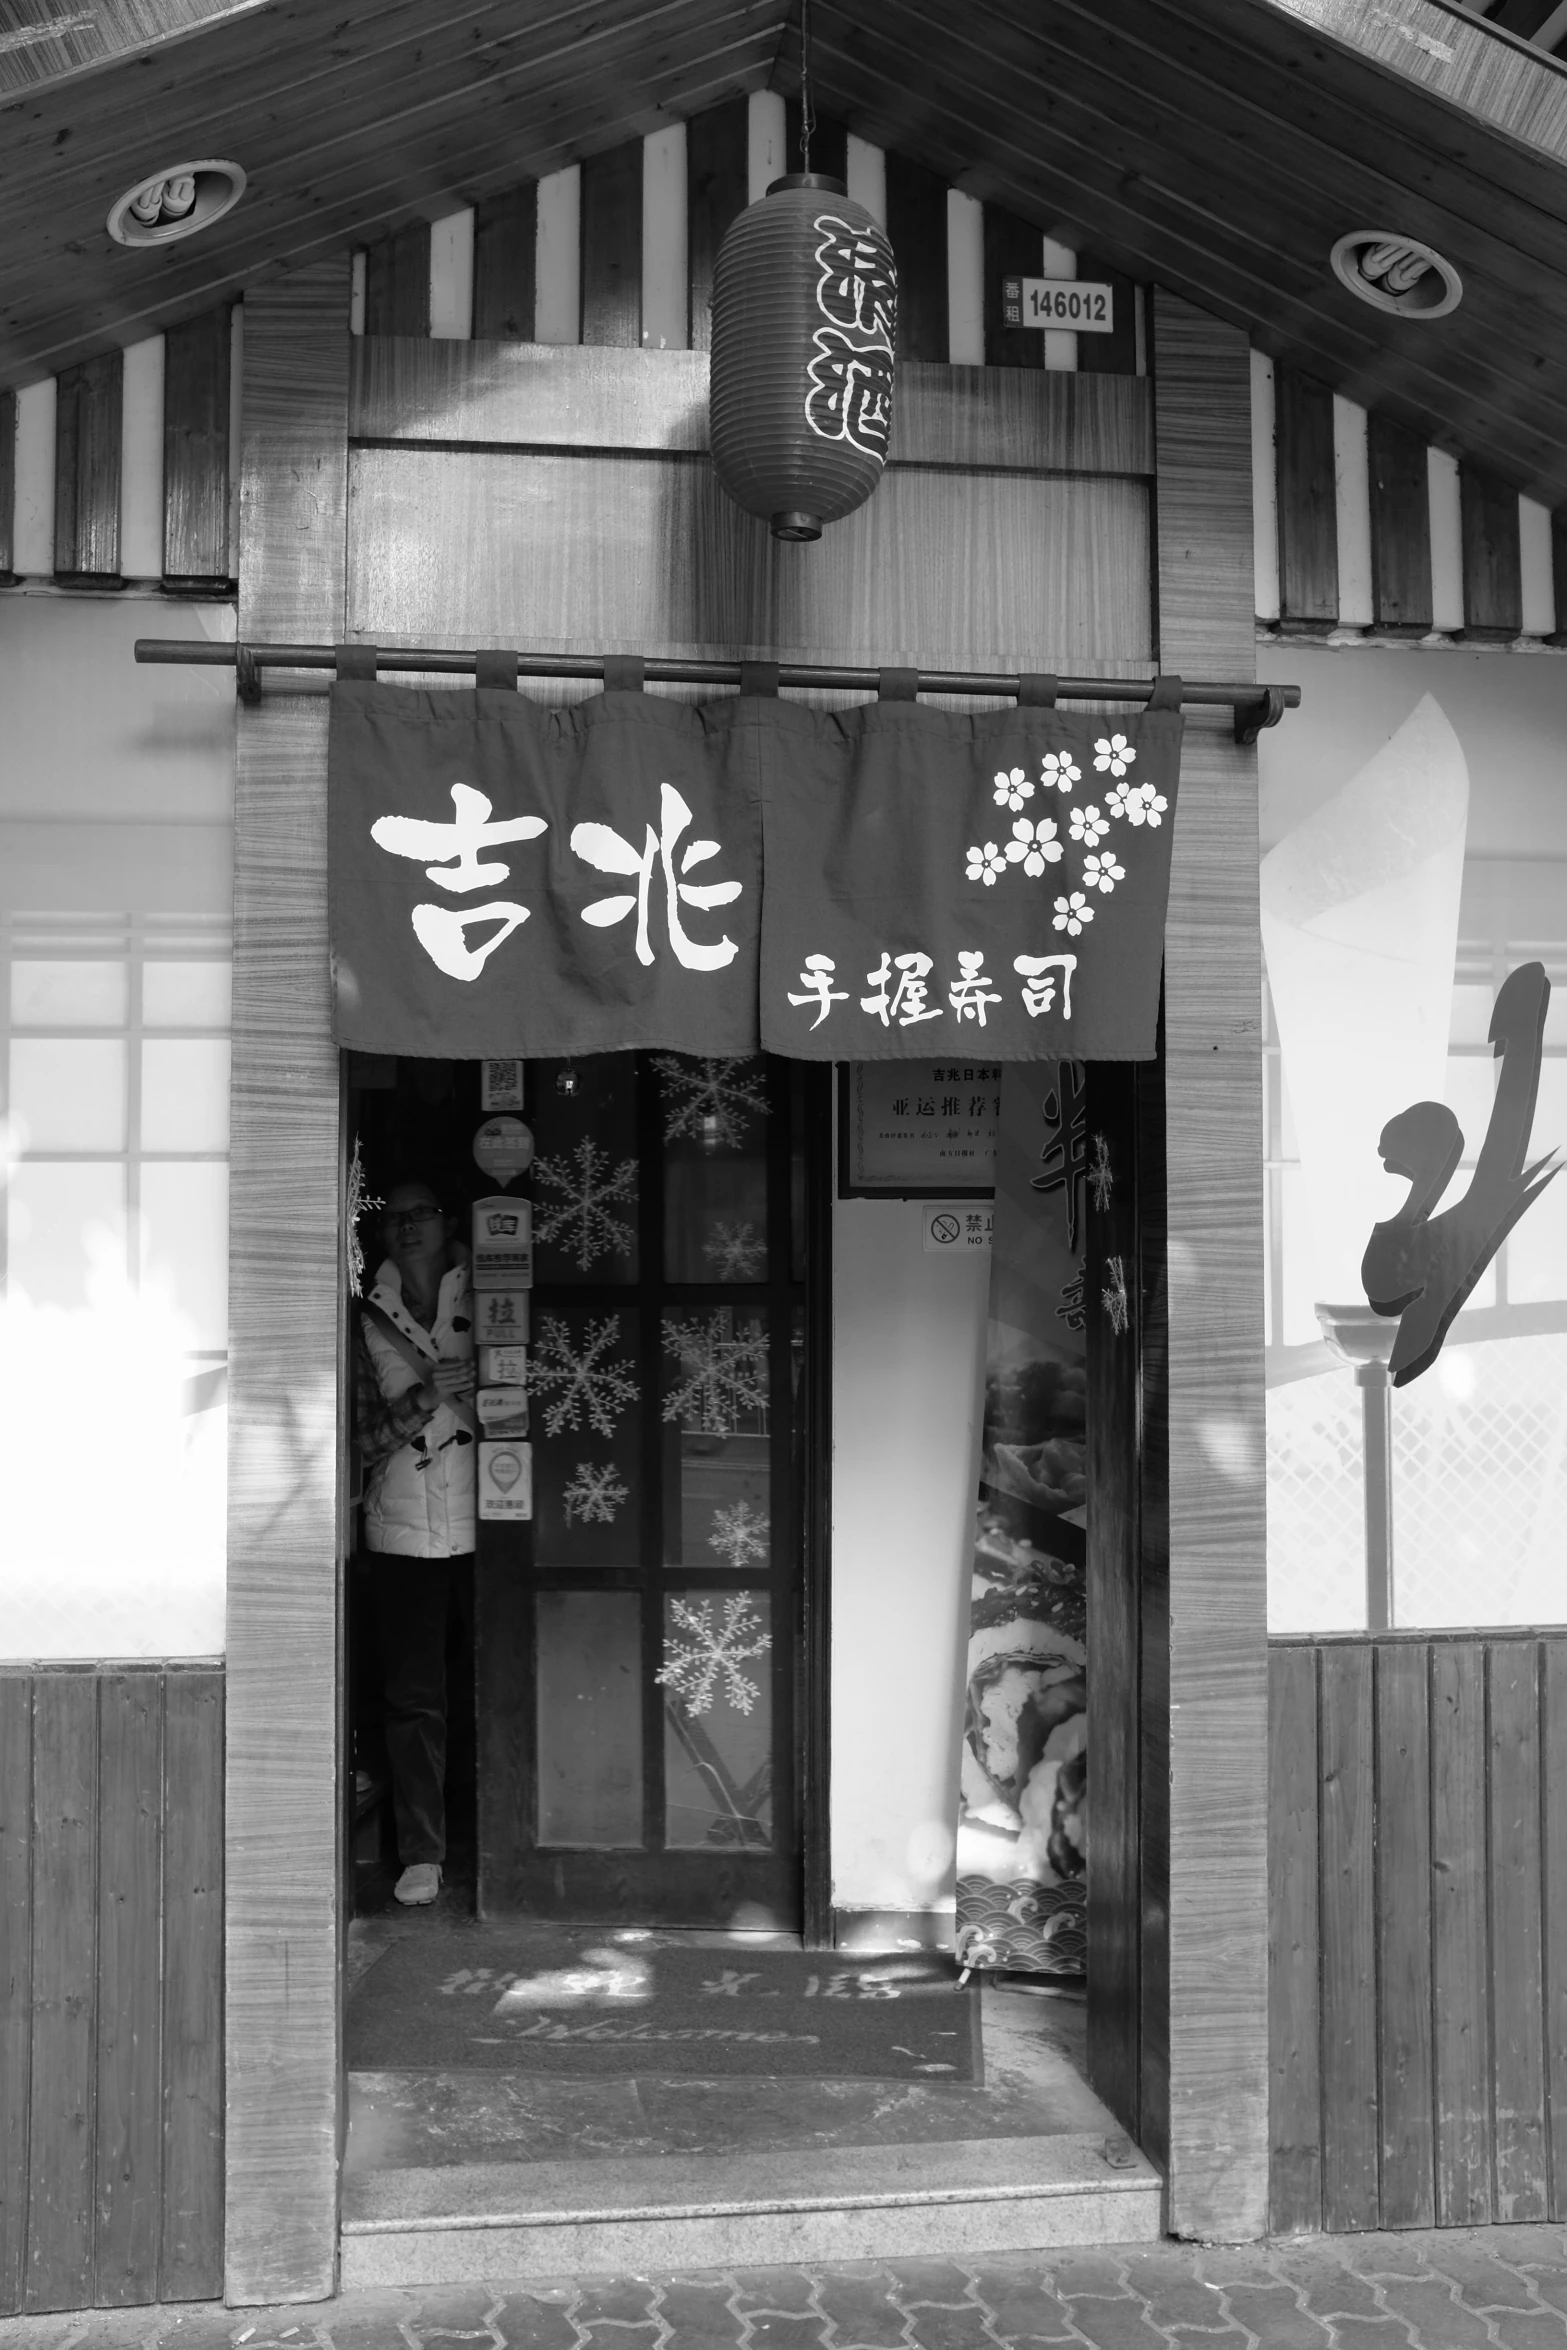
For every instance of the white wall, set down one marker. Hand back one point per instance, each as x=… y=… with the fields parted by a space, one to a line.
x=908 y=1375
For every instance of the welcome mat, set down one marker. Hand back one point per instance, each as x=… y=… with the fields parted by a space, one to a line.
x=500 y=2000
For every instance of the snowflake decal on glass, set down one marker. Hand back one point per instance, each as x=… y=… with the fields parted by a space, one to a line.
x=1013 y=789
x=589 y=1379
x=1058 y=770
x=986 y=864
x=589 y=1191
x=1113 y=754
x=1072 y=912
x=710 y=1101
x=692 y=1666
x=722 y=1374
x=1088 y=825
x=736 y=1252
x=594 y=1494
x=740 y=1534
x=1034 y=846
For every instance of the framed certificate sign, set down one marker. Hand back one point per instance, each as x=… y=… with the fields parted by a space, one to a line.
x=918 y=1129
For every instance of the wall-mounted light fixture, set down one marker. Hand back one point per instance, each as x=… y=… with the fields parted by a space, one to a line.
x=176 y=203
x=1397 y=274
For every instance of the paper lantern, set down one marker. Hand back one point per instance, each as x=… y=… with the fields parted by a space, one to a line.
x=805 y=309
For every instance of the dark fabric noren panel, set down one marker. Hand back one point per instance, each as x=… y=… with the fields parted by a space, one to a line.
x=718 y=173
x=196 y=368
x=505 y=254
x=397 y=282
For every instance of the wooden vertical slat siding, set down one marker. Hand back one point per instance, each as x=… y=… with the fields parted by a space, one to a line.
x=1217 y=1642
x=718 y=149
x=1493 y=584
x=829 y=143
x=1349 y=1964
x=196 y=367
x=917 y=228
x=505 y=252
x=65 y=1853
x=1553 y=1847
x=1401 y=1771
x=1112 y=354
x=87 y=472
x=1013 y=248
x=1400 y=526
x=129 y=2118
x=612 y=246
x=1153 y=1592
x=1294 y=1947
x=1516 y=1959
x=1460 y=1951
x=283 y=1826
x=190 y=2252
x=1308 y=508
x=397 y=282
x=7 y=486
x=16 y=1971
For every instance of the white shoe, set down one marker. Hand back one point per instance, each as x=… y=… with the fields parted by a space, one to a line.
x=419 y=1884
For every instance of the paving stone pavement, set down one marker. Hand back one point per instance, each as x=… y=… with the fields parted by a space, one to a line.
x=1486 y=2289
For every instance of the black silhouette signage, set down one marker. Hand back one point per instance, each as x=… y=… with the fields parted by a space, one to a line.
x=1421 y=1266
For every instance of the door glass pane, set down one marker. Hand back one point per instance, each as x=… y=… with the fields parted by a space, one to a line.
x=68 y=1093
x=585 y=1170
x=713 y=1118
x=716 y=1450
x=589 y=1660
x=584 y=1404
x=68 y=995
x=718 y=1719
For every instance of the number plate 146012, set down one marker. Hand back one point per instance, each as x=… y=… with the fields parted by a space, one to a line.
x=1076 y=304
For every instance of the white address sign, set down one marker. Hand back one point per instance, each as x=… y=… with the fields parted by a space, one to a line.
x=1074 y=303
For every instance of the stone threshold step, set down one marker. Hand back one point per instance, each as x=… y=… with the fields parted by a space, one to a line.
x=447 y=2225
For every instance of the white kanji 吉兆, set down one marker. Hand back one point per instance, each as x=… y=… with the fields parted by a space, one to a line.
x=1037 y=973
x=736 y=1252
x=710 y=1102
x=600 y=845
x=720 y=1372
x=456 y=865
x=692 y=1666
x=588 y=1380
x=905 y=1001
x=971 y=991
x=589 y=1188
x=817 y=981
x=740 y=1534
x=594 y=1494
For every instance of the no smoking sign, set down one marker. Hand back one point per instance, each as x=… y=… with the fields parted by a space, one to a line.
x=953 y=1228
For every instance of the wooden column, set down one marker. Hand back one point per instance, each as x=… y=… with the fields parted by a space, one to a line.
x=87 y=473
x=1215 y=1934
x=283 y=1612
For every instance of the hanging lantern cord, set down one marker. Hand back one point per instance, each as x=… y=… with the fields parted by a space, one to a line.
x=807 y=107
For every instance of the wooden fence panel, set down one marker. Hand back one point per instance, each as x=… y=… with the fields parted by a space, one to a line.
x=1460 y=1952
x=1517 y=2017
x=1553 y=1766
x=1349 y=1968
x=65 y=1851
x=1402 y=1766
x=1294 y=1946
x=128 y=2121
x=190 y=2252
x=16 y=1977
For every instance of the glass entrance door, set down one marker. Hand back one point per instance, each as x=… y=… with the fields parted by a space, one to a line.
x=637 y=1642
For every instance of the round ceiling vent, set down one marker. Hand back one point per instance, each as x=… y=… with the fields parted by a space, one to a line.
x=176 y=203
x=1397 y=274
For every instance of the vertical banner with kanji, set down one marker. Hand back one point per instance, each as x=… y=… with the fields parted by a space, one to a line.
x=1021 y=1891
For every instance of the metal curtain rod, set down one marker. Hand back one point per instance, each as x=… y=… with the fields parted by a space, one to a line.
x=1255 y=706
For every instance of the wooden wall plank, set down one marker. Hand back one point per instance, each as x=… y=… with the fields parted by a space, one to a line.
x=1553 y=1751
x=397 y=282
x=505 y=255
x=1517 y=1970
x=283 y=1824
x=1493 y=577
x=16 y=1976
x=1403 y=1907
x=1217 y=1637
x=190 y=2251
x=1308 y=507
x=1400 y=525
x=1294 y=1946
x=128 y=2139
x=612 y=246
x=196 y=386
x=718 y=148
x=87 y=472
x=917 y=226
x=7 y=486
x=1013 y=248
x=1350 y=2121
x=60 y=2151
x=543 y=395
x=1460 y=1951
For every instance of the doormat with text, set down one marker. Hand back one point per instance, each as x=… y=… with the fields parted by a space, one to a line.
x=506 y=1999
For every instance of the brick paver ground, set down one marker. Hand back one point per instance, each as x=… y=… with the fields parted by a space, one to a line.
x=1492 y=2289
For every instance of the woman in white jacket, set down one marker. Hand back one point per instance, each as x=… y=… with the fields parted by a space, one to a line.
x=416 y=1431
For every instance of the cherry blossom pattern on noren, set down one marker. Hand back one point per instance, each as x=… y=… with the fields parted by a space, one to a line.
x=1012 y=789
x=594 y=1494
x=1073 y=913
x=711 y=1101
x=590 y=1189
x=601 y=846
x=586 y=1381
x=1138 y=803
x=720 y=1372
x=1034 y=846
x=1113 y=754
x=740 y=1534
x=457 y=865
x=693 y=1666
